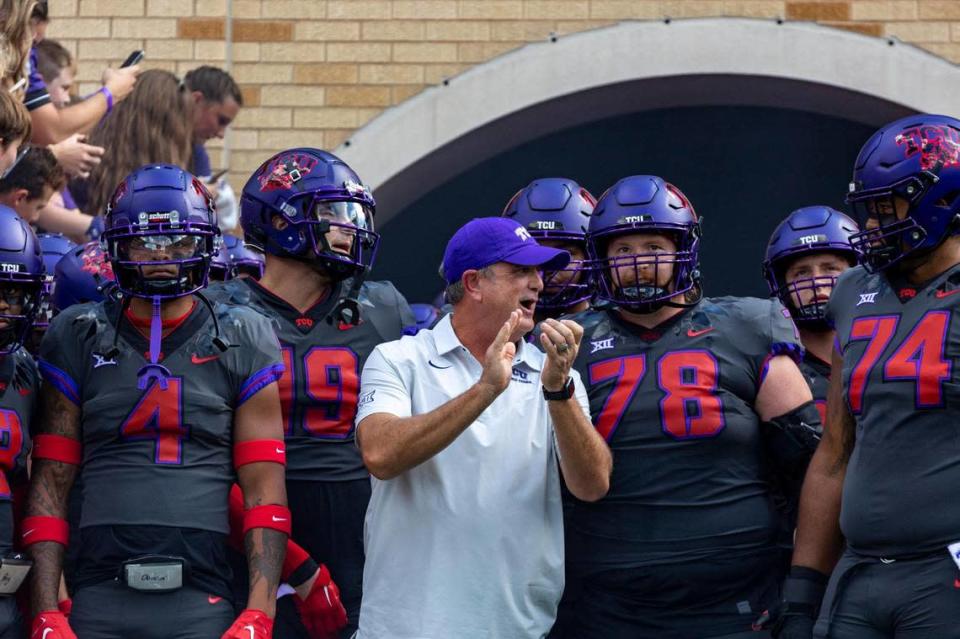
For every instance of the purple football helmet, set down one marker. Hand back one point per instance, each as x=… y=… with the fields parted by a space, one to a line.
x=83 y=275
x=244 y=261
x=220 y=268
x=161 y=208
x=426 y=315
x=807 y=231
x=328 y=212
x=645 y=204
x=916 y=160
x=21 y=279
x=53 y=246
x=557 y=209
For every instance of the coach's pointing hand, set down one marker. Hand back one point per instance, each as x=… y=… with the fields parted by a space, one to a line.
x=561 y=341
x=498 y=363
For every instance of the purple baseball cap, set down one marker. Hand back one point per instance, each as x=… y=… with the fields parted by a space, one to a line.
x=486 y=240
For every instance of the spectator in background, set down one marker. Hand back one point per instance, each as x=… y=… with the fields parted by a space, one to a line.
x=216 y=103
x=14 y=129
x=51 y=125
x=16 y=41
x=56 y=67
x=31 y=183
x=153 y=126
x=75 y=156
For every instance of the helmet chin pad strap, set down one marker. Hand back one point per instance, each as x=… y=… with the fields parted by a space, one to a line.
x=154 y=370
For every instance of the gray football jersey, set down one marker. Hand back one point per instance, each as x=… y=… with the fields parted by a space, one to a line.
x=323 y=358
x=159 y=456
x=18 y=390
x=900 y=346
x=675 y=405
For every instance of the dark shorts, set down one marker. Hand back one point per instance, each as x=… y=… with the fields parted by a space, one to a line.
x=904 y=599
x=719 y=597
x=11 y=622
x=328 y=523
x=110 y=610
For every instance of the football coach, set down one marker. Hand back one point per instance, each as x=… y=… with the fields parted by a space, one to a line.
x=463 y=428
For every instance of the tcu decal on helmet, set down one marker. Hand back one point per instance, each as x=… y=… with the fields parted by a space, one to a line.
x=327 y=212
x=938 y=146
x=807 y=231
x=646 y=204
x=285 y=170
x=557 y=209
x=22 y=271
x=906 y=181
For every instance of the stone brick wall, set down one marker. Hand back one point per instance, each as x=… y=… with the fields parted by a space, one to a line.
x=313 y=71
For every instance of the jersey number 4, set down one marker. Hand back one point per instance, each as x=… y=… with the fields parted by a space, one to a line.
x=158 y=416
x=920 y=357
x=331 y=379
x=689 y=408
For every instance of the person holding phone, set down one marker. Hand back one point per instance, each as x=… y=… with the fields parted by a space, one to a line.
x=52 y=125
x=216 y=101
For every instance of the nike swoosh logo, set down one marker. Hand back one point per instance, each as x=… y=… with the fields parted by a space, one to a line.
x=250 y=629
x=942 y=294
x=275 y=518
x=430 y=361
x=695 y=333
x=28 y=532
x=280 y=451
x=203 y=360
x=214 y=600
x=46 y=632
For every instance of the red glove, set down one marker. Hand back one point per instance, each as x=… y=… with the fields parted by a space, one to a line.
x=65 y=606
x=251 y=624
x=51 y=624
x=321 y=612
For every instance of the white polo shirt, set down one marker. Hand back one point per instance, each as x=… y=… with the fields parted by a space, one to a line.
x=468 y=544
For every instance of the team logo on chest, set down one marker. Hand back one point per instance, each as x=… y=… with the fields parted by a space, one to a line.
x=601 y=345
x=867 y=298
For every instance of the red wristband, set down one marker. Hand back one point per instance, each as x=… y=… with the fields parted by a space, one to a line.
x=259 y=450
x=270 y=516
x=38 y=529
x=58 y=448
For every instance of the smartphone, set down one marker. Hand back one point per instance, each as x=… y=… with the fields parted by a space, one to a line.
x=133 y=58
x=216 y=176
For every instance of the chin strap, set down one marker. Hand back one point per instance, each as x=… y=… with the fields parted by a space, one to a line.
x=154 y=370
x=347 y=310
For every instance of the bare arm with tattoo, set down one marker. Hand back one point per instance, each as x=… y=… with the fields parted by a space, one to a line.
x=49 y=488
x=262 y=484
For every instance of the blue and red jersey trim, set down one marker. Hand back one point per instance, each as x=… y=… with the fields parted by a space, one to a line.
x=262 y=378
x=60 y=380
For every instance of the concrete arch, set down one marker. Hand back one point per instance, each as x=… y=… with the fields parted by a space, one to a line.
x=639 y=66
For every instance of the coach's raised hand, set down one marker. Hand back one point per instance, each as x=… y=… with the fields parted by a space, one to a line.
x=498 y=362
x=561 y=342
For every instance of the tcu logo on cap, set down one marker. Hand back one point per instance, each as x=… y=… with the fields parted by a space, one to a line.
x=522 y=233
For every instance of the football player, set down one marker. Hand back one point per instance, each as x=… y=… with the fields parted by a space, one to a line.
x=556 y=211
x=693 y=395
x=234 y=259
x=54 y=246
x=21 y=285
x=160 y=394
x=805 y=255
x=890 y=445
x=85 y=275
x=313 y=218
